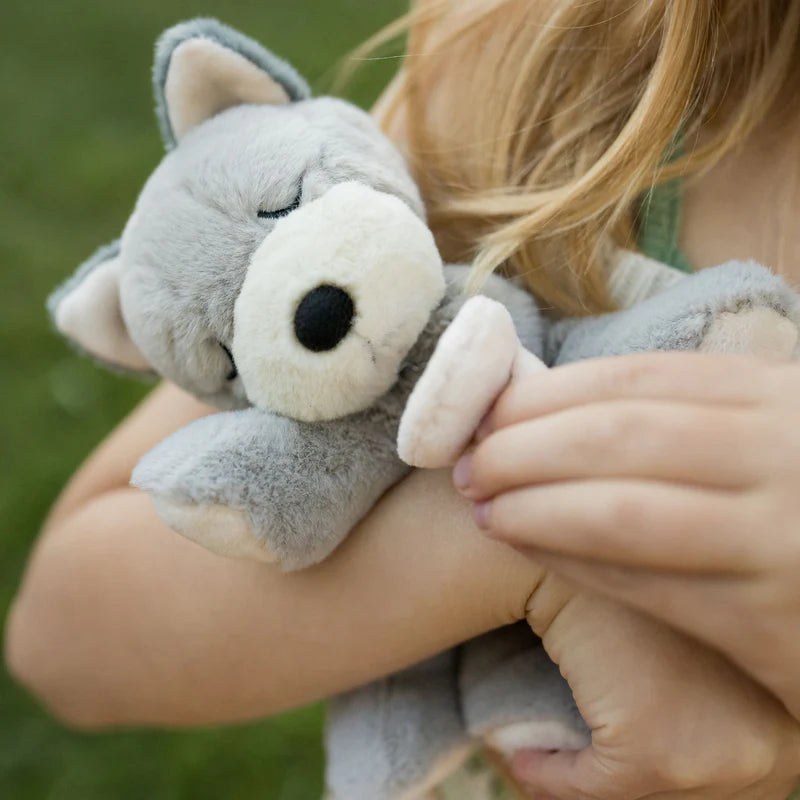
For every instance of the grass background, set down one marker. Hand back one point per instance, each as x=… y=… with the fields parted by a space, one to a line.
x=77 y=140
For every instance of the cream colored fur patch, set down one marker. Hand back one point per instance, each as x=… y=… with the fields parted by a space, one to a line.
x=205 y=78
x=760 y=332
x=541 y=734
x=220 y=529
x=444 y=766
x=91 y=316
x=473 y=361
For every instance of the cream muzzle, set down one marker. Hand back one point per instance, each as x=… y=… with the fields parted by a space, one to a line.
x=333 y=300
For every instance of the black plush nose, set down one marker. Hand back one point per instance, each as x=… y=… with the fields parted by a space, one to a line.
x=323 y=318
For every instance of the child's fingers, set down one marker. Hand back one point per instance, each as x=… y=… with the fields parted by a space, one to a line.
x=571 y=775
x=687 y=377
x=631 y=523
x=581 y=775
x=650 y=440
x=706 y=606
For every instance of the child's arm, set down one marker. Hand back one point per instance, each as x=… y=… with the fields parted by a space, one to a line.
x=120 y=620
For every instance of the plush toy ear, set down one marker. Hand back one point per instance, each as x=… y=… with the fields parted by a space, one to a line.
x=86 y=309
x=203 y=67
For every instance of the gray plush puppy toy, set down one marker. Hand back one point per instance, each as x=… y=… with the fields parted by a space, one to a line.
x=277 y=265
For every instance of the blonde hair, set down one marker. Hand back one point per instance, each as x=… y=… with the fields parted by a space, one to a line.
x=536 y=127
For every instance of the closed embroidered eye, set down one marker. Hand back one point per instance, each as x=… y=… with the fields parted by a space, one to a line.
x=282 y=212
x=233 y=373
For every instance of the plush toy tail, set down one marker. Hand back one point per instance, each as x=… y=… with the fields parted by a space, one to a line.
x=514 y=697
x=397 y=738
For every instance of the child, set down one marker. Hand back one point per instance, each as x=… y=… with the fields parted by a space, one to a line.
x=535 y=129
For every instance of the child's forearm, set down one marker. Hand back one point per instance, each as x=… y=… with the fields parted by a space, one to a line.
x=121 y=621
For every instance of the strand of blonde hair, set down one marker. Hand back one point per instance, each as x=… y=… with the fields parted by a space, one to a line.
x=535 y=129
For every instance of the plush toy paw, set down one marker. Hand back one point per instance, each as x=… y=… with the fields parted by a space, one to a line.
x=201 y=485
x=762 y=332
x=256 y=485
x=474 y=360
x=216 y=527
x=738 y=307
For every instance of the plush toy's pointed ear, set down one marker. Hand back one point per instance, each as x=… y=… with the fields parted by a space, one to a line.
x=86 y=309
x=203 y=67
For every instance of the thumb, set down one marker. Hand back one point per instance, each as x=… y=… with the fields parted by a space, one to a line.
x=568 y=775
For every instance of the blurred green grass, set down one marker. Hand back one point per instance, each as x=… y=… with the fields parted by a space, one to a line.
x=77 y=140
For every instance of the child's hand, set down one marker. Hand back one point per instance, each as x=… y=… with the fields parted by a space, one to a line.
x=669 y=717
x=669 y=481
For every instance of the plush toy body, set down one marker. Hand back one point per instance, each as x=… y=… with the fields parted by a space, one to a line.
x=277 y=265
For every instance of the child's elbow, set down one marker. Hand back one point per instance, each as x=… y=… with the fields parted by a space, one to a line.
x=60 y=683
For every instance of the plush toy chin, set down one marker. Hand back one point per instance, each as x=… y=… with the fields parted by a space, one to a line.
x=474 y=361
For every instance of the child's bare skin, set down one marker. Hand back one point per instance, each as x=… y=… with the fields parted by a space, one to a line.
x=127 y=623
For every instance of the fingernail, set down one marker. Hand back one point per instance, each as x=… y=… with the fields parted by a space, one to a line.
x=480 y=513
x=462 y=472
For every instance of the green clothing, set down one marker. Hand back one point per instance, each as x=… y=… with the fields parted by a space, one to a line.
x=659 y=234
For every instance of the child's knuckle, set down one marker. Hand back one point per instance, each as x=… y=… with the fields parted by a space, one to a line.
x=629 y=374
x=489 y=462
x=624 y=511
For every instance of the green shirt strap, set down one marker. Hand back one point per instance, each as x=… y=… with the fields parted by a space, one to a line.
x=659 y=233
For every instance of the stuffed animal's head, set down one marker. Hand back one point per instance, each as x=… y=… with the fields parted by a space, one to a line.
x=277 y=256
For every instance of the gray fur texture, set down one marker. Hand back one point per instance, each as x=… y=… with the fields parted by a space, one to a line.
x=677 y=318
x=396 y=736
x=392 y=737
x=302 y=486
x=506 y=677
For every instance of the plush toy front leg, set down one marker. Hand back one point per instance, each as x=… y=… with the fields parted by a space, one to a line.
x=250 y=484
x=397 y=738
x=475 y=358
x=739 y=307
